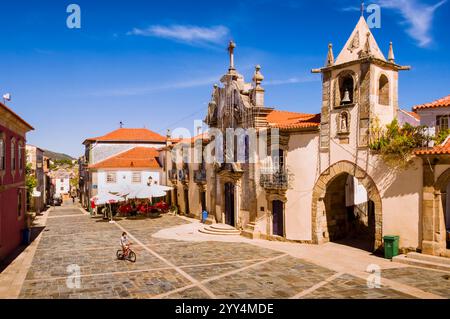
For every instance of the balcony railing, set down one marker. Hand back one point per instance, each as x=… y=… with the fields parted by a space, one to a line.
x=183 y=175
x=173 y=175
x=278 y=180
x=200 y=176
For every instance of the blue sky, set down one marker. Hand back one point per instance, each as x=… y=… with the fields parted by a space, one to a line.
x=153 y=63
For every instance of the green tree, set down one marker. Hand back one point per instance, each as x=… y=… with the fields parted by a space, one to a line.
x=441 y=136
x=396 y=143
x=30 y=182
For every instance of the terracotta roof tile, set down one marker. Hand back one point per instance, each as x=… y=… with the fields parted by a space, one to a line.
x=204 y=136
x=292 y=120
x=412 y=114
x=442 y=149
x=129 y=135
x=444 y=102
x=138 y=157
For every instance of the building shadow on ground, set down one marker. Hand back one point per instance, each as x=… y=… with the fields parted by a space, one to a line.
x=35 y=231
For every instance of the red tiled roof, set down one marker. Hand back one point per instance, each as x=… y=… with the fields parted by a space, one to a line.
x=129 y=135
x=16 y=116
x=292 y=120
x=413 y=114
x=138 y=157
x=443 y=149
x=444 y=102
x=204 y=136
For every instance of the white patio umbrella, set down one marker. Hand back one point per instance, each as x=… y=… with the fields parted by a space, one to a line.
x=148 y=192
x=125 y=190
x=141 y=192
x=159 y=190
x=107 y=199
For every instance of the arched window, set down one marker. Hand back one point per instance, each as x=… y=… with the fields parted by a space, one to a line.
x=13 y=155
x=2 y=152
x=20 y=202
x=346 y=89
x=20 y=156
x=383 y=90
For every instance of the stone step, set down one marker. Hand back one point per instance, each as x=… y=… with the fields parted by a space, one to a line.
x=249 y=231
x=209 y=232
x=220 y=229
x=430 y=258
x=404 y=259
x=250 y=227
x=248 y=234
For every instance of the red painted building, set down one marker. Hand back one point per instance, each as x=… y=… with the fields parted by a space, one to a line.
x=13 y=131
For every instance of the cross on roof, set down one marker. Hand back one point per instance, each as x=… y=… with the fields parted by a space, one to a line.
x=230 y=49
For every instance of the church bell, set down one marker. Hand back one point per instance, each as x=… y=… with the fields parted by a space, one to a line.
x=346 y=99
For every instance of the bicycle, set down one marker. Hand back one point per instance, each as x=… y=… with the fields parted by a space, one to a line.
x=129 y=255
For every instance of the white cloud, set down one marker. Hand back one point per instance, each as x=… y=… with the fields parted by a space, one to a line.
x=148 y=89
x=185 y=33
x=143 y=90
x=293 y=80
x=351 y=9
x=417 y=16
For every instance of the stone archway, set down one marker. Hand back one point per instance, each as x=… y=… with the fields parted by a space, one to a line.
x=319 y=213
x=433 y=215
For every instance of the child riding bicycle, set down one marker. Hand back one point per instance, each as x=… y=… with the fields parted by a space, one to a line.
x=125 y=243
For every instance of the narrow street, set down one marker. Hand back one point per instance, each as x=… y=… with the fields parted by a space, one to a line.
x=167 y=268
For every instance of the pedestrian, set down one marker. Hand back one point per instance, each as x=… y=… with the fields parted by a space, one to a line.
x=73 y=194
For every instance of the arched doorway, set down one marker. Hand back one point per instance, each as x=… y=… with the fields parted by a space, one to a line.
x=229 y=204
x=339 y=211
x=350 y=217
x=436 y=215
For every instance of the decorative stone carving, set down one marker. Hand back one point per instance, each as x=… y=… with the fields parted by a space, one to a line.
x=354 y=44
x=343 y=122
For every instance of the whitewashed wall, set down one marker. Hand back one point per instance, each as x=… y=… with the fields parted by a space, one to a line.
x=124 y=177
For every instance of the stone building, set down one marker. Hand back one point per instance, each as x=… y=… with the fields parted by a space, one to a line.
x=13 y=191
x=35 y=157
x=319 y=180
x=138 y=166
x=106 y=149
x=435 y=218
x=188 y=178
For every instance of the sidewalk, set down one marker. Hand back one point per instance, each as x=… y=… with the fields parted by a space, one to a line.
x=333 y=256
x=13 y=276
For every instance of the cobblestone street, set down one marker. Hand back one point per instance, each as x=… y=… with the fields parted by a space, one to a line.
x=179 y=269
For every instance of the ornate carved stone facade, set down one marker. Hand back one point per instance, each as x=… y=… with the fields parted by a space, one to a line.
x=331 y=184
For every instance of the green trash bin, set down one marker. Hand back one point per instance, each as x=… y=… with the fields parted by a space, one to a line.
x=391 y=246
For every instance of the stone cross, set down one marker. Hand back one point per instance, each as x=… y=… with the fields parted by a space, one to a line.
x=231 y=47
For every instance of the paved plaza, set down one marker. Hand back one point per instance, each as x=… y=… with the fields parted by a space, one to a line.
x=169 y=268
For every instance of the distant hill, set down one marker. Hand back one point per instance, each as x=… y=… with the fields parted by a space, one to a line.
x=57 y=156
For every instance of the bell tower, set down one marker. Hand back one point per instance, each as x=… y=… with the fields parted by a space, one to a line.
x=359 y=89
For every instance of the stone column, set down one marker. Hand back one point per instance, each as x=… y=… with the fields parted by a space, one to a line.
x=237 y=206
x=428 y=211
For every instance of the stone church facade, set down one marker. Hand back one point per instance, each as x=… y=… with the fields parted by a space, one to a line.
x=327 y=184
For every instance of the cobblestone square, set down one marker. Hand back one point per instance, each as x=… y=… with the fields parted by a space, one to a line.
x=167 y=268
